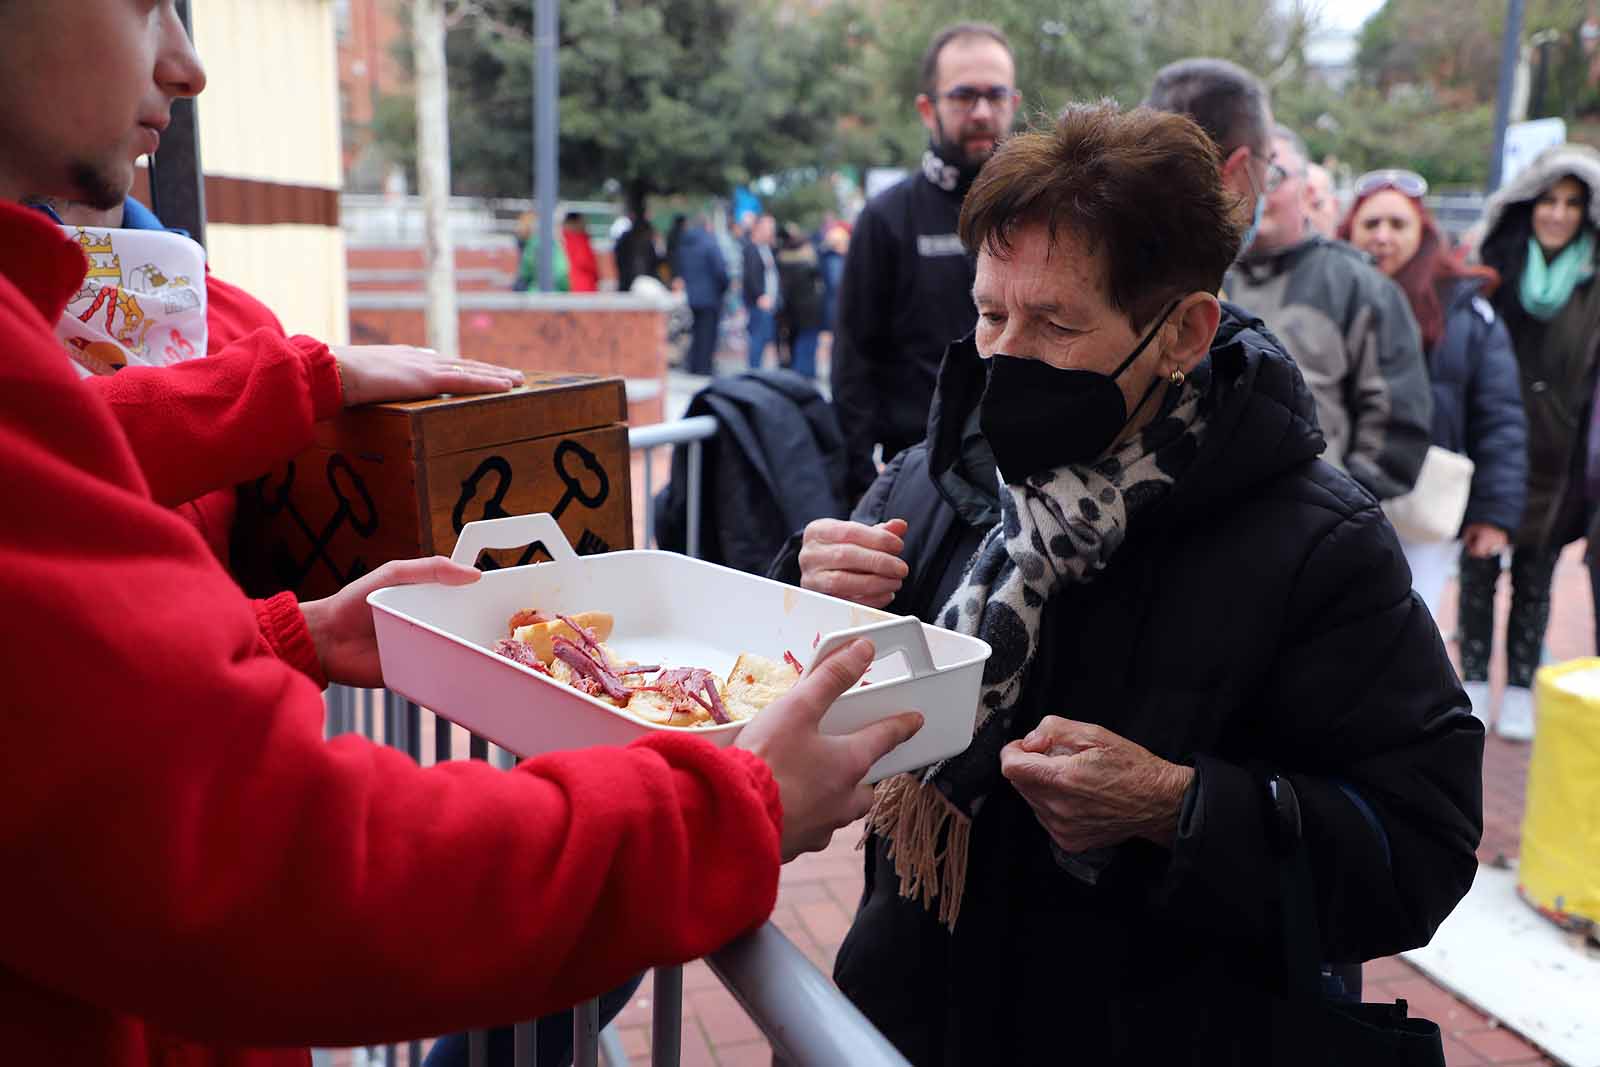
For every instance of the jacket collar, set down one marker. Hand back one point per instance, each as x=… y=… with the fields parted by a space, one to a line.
x=1263 y=266
x=45 y=265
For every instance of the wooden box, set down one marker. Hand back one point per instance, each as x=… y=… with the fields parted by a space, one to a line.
x=395 y=481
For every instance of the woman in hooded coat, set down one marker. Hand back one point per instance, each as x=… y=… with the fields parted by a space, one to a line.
x=1539 y=234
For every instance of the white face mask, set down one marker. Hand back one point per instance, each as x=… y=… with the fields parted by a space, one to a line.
x=1255 y=224
x=143 y=302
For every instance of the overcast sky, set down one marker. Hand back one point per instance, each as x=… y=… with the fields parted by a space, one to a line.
x=1348 y=14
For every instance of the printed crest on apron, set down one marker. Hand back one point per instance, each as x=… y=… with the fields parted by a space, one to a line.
x=143 y=301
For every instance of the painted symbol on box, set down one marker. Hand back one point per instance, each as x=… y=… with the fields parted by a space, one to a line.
x=580 y=471
x=354 y=509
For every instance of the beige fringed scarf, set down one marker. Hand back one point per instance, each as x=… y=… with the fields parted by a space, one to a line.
x=1057 y=528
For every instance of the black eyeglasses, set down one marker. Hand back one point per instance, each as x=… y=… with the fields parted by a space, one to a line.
x=1272 y=177
x=1408 y=182
x=966 y=97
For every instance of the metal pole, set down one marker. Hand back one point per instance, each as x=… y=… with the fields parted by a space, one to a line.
x=546 y=115
x=666 y=1041
x=586 y=1034
x=1510 y=55
x=433 y=174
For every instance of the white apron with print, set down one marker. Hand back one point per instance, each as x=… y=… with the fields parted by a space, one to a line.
x=143 y=301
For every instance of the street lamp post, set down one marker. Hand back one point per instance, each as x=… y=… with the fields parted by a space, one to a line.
x=1510 y=56
x=546 y=102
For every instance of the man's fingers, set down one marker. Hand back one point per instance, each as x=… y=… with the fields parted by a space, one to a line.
x=898 y=527
x=871 y=743
x=465 y=382
x=417 y=571
x=832 y=678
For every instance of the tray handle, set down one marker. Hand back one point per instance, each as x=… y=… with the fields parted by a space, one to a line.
x=515 y=531
x=903 y=634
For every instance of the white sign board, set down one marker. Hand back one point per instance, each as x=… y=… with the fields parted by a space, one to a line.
x=1524 y=140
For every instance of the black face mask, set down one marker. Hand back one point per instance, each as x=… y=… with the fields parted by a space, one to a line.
x=1037 y=417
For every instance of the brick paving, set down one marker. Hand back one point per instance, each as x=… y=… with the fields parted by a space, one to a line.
x=818 y=895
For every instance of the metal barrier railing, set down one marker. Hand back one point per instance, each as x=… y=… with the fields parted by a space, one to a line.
x=646 y=439
x=808 y=1022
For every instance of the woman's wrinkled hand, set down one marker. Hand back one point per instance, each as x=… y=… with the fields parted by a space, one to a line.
x=854 y=561
x=1090 y=788
x=1482 y=540
x=380 y=374
x=341 y=625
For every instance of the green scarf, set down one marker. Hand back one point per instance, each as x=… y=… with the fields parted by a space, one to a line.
x=1546 y=287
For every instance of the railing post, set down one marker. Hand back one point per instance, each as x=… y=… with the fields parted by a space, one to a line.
x=666 y=1046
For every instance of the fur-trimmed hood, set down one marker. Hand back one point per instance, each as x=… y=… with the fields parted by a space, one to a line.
x=1548 y=167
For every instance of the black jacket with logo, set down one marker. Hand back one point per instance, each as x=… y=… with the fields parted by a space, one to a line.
x=906 y=294
x=1260 y=620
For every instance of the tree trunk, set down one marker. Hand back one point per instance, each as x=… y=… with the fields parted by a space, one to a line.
x=433 y=175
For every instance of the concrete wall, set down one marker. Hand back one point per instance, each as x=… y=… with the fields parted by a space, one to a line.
x=596 y=333
x=270 y=116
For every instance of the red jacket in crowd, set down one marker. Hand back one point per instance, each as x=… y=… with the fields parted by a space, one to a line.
x=191 y=870
x=583 y=270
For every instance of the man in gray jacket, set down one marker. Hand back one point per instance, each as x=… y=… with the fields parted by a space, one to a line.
x=1348 y=327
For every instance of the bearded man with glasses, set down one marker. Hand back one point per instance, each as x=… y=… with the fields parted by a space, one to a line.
x=906 y=292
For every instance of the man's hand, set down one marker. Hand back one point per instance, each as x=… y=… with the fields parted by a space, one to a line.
x=341 y=625
x=764 y=302
x=1090 y=788
x=854 y=561
x=1482 y=540
x=378 y=374
x=819 y=776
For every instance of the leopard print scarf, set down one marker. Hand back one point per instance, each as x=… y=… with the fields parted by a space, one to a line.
x=1057 y=528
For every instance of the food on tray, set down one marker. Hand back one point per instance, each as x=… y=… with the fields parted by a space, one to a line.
x=571 y=650
x=540 y=631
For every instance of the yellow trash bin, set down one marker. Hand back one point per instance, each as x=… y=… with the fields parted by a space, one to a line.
x=1560 y=866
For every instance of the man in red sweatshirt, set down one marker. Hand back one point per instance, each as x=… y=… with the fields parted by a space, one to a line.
x=201 y=428
x=191 y=870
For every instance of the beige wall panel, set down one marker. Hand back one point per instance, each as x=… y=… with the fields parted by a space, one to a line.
x=271 y=108
x=297 y=271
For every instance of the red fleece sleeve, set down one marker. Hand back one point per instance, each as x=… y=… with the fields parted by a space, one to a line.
x=233 y=314
x=208 y=424
x=181 y=843
x=283 y=627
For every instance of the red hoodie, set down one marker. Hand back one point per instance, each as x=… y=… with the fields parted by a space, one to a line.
x=203 y=426
x=186 y=855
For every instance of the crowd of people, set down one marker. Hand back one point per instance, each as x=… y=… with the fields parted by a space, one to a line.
x=1117 y=404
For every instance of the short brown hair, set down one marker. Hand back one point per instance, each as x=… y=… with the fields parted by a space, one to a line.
x=1228 y=102
x=1143 y=187
x=930 y=58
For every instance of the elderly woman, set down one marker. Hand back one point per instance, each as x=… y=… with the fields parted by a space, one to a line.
x=1207 y=655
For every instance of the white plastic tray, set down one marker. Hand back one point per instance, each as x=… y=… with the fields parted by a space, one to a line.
x=434 y=642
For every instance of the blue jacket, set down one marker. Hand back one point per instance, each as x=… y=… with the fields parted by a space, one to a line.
x=1477 y=407
x=702 y=268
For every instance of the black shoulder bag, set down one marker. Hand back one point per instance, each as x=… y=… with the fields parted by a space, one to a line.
x=1306 y=1027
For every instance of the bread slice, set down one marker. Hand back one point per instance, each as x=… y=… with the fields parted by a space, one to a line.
x=755 y=682
x=539 y=635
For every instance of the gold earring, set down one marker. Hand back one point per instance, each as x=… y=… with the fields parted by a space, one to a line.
x=1177 y=377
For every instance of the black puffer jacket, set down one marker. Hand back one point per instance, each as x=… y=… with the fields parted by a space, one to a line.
x=1261 y=620
x=1477 y=407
